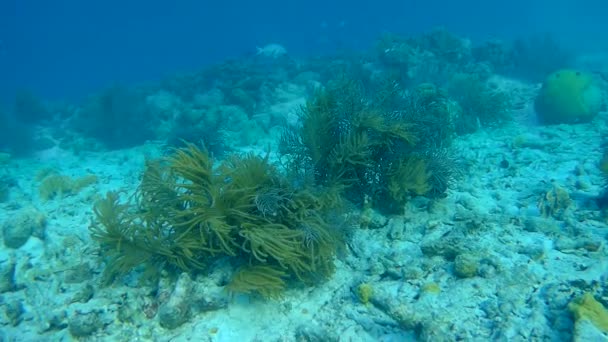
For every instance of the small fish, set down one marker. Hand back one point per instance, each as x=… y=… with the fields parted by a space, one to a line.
x=271 y=50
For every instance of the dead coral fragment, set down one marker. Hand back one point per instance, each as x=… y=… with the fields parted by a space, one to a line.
x=555 y=203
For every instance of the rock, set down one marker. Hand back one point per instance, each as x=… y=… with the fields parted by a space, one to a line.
x=17 y=231
x=207 y=295
x=83 y=295
x=84 y=324
x=314 y=333
x=465 y=265
x=78 y=274
x=176 y=311
x=448 y=247
x=13 y=311
x=53 y=320
x=7 y=276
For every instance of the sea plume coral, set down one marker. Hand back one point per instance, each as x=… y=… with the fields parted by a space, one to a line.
x=189 y=211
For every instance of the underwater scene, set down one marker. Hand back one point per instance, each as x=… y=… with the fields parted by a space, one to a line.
x=303 y=171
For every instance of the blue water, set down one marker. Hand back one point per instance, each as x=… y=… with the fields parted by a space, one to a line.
x=67 y=49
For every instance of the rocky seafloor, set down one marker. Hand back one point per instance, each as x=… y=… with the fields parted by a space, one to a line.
x=515 y=241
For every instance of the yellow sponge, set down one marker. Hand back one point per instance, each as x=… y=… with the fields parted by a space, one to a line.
x=587 y=307
x=568 y=96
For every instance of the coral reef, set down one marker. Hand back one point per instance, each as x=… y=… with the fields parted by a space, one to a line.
x=431 y=57
x=536 y=57
x=481 y=105
x=530 y=59
x=29 y=108
x=16 y=137
x=118 y=117
x=374 y=146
